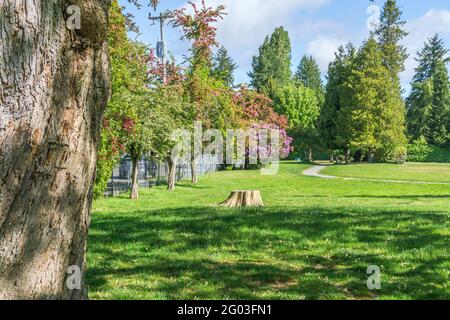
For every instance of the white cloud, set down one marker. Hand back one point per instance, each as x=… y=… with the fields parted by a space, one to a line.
x=248 y=22
x=323 y=49
x=434 y=21
x=420 y=29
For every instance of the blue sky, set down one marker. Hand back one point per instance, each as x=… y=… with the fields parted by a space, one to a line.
x=316 y=27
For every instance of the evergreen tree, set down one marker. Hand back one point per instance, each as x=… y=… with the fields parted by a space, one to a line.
x=372 y=116
x=439 y=115
x=433 y=52
x=224 y=67
x=272 y=67
x=390 y=33
x=429 y=101
x=308 y=75
x=338 y=73
x=419 y=105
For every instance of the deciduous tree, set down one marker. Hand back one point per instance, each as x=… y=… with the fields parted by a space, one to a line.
x=201 y=86
x=300 y=105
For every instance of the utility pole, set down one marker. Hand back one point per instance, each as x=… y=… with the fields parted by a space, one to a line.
x=161 y=48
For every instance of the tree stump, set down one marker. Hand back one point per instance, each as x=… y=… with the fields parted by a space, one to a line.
x=243 y=198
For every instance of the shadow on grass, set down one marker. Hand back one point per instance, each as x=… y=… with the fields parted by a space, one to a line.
x=271 y=253
x=187 y=185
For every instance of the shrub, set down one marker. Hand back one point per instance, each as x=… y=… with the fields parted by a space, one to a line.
x=421 y=151
x=397 y=155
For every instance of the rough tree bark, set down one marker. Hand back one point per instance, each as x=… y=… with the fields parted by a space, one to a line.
x=54 y=87
x=171 y=177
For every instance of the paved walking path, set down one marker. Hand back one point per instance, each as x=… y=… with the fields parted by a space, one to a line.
x=315 y=172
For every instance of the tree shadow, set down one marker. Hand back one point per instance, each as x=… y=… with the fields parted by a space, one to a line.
x=271 y=253
x=191 y=186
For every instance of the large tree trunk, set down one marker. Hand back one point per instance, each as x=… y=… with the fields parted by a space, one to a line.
x=171 y=177
x=134 y=194
x=54 y=87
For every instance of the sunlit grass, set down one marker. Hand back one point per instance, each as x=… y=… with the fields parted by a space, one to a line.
x=313 y=240
x=408 y=172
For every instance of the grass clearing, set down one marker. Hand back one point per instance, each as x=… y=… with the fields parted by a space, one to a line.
x=429 y=172
x=313 y=240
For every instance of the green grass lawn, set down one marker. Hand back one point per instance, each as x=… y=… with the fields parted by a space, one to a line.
x=314 y=240
x=407 y=172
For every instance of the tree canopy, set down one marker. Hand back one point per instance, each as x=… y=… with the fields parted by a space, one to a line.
x=272 y=66
x=224 y=67
x=429 y=101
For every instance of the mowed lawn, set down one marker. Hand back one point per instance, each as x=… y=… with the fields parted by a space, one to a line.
x=432 y=172
x=315 y=239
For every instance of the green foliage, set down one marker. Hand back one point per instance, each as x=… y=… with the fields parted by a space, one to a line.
x=429 y=101
x=272 y=67
x=338 y=73
x=419 y=106
x=434 y=51
x=299 y=104
x=166 y=115
x=105 y=164
x=207 y=96
x=440 y=112
x=128 y=75
x=140 y=115
x=397 y=155
x=390 y=33
x=224 y=67
x=372 y=117
x=420 y=151
x=308 y=75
